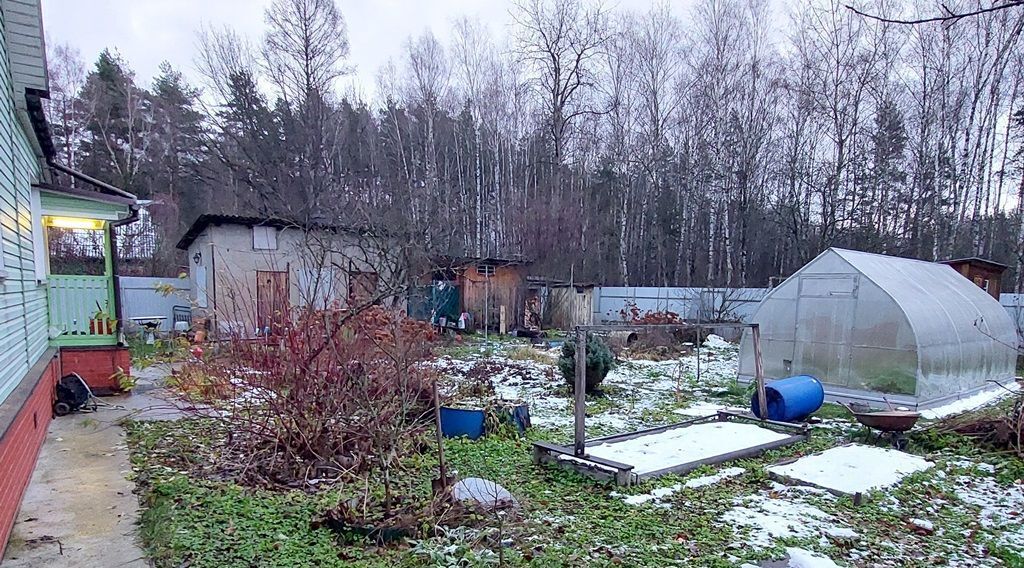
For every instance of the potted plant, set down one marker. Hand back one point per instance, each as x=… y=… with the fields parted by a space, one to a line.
x=101 y=322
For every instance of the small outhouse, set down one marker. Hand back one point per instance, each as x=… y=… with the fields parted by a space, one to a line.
x=878 y=328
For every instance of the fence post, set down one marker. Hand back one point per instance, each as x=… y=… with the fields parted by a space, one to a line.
x=762 y=401
x=580 y=404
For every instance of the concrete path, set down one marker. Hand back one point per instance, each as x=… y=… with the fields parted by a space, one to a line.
x=80 y=509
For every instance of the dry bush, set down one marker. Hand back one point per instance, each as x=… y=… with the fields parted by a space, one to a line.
x=328 y=395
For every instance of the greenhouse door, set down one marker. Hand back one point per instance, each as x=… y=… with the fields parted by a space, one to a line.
x=824 y=326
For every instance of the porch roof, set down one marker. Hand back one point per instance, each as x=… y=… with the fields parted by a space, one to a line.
x=73 y=202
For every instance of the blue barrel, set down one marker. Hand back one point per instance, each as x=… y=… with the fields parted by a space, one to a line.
x=792 y=399
x=457 y=422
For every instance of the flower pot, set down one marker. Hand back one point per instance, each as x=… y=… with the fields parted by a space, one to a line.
x=104 y=326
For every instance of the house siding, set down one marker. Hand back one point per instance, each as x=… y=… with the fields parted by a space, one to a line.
x=28 y=367
x=23 y=312
x=26 y=48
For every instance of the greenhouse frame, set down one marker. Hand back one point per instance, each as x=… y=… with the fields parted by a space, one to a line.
x=883 y=330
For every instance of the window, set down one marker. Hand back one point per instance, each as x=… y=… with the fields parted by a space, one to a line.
x=264 y=238
x=485 y=270
x=75 y=250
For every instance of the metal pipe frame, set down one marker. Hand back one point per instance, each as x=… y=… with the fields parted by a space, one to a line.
x=580 y=397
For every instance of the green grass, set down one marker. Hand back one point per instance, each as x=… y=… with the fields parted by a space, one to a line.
x=192 y=518
x=162 y=350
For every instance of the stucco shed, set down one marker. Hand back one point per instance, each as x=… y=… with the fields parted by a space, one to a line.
x=874 y=328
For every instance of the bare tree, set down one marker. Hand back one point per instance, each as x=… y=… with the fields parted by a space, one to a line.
x=305 y=47
x=560 y=42
x=65 y=110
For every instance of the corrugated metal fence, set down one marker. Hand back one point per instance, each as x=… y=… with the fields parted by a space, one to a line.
x=140 y=298
x=711 y=304
x=1014 y=305
x=708 y=304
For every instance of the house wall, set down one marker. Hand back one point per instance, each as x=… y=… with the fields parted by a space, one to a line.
x=23 y=313
x=23 y=32
x=26 y=376
x=23 y=424
x=225 y=276
x=507 y=287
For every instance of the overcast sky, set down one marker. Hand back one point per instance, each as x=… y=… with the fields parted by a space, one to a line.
x=147 y=32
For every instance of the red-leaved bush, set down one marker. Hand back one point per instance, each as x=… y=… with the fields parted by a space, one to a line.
x=330 y=394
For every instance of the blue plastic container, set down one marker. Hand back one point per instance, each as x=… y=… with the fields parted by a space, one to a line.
x=466 y=422
x=792 y=399
x=521 y=417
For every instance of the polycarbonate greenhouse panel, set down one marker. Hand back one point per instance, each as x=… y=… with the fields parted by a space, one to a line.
x=881 y=325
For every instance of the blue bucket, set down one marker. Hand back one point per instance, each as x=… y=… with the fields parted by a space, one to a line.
x=792 y=399
x=521 y=417
x=457 y=422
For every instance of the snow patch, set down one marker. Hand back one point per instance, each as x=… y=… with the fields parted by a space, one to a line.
x=661 y=450
x=800 y=558
x=718 y=342
x=703 y=408
x=977 y=400
x=769 y=519
x=853 y=468
x=662 y=492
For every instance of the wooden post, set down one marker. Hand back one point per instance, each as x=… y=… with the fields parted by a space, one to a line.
x=762 y=400
x=580 y=400
x=502 y=320
x=442 y=466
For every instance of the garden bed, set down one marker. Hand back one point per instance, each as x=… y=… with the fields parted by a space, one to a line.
x=713 y=516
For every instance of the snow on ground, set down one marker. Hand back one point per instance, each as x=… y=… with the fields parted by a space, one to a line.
x=853 y=468
x=661 y=493
x=704 y=408
x=766 y=517
x=800 y=558
x=654 y=452
x=1000 y=507
x=977 y=400
x=633 y=389
x=717 y=342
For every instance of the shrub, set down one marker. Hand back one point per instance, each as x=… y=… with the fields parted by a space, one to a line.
x=599 y=362
x=328 y=395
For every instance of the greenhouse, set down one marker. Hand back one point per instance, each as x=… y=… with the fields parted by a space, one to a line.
x=879 y=329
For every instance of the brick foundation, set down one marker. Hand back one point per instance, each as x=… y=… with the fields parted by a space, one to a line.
x=24 y=419
x=99 y=366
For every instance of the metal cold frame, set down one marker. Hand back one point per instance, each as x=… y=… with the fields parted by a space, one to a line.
x=622 y=473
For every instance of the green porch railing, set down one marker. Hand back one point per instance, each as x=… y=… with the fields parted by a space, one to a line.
x=73 y=302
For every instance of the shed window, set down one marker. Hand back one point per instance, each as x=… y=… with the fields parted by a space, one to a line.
x=485 y=270
x=264 y=238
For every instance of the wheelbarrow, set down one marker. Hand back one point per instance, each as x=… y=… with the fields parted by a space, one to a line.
x=891 y=424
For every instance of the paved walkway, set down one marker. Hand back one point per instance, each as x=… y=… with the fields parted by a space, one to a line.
x=80 y=509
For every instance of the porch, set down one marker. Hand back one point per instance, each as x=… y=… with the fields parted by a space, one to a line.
x=79 y=263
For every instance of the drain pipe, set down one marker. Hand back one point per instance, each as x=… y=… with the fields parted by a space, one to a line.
x=131 y=218
x=91 y=180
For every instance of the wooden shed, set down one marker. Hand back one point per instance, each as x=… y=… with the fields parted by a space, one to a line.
x=986 y=274
x=570 y=305
x=488 y=287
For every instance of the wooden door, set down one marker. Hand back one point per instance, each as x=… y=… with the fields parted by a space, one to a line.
x=271 y=299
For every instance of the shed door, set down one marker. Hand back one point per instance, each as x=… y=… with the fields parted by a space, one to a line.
x=824 y=326
x=271 y=298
